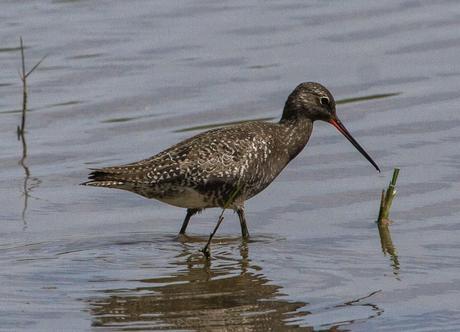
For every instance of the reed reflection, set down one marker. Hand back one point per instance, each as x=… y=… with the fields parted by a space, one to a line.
x=29 y=183
x=388 y=247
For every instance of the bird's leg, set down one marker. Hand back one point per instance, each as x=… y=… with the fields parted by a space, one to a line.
x=190 y=213
x=205 y=250
x=244 y=227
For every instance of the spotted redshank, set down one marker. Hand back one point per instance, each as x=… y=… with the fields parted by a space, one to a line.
x=224 y=167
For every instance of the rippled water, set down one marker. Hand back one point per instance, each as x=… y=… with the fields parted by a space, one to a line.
x=123 y=80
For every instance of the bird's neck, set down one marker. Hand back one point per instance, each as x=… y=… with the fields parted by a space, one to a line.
x=295 y=134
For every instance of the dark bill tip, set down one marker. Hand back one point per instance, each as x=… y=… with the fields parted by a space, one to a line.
x=340 y=127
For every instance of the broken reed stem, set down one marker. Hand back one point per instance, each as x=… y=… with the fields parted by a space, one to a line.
x=387 y=198
x=24 y=75
x=382 y=205
x=390 y=194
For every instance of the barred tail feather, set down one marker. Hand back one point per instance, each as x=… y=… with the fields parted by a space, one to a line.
x=109 y=184
x=99 y=178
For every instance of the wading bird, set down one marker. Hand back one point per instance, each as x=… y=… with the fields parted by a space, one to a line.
x=224 y=167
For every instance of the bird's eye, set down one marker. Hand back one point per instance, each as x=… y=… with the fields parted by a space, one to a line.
x=324 y=101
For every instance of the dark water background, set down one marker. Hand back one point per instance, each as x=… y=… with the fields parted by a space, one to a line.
x=123 y=80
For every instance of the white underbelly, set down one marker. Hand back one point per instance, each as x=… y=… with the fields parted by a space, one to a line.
x=187 y=198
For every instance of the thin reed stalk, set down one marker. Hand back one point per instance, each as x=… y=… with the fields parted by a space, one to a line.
x=387 y=199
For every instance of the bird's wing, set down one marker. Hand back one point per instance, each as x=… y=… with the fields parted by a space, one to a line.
x=214 y=157
x=217 y=155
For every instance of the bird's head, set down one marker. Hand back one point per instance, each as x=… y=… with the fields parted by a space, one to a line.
x=313 y=101
x=310 y=100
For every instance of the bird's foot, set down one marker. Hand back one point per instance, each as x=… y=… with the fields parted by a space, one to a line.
x=206 y=251
x=182 y=237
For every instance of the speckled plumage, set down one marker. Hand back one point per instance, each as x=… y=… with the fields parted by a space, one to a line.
x=207 y=170
x=213 y=164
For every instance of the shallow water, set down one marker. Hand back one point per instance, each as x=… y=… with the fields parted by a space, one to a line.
x=122 y=81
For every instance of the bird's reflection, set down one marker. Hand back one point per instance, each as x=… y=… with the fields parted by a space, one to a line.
x=388 y=248
x=226 y=293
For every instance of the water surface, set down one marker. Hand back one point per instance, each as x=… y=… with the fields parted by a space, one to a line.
x=123 y=81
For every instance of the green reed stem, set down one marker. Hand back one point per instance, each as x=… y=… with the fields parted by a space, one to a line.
x=387 y=198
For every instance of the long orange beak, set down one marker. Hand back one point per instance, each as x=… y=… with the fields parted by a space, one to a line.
x=340 y=127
